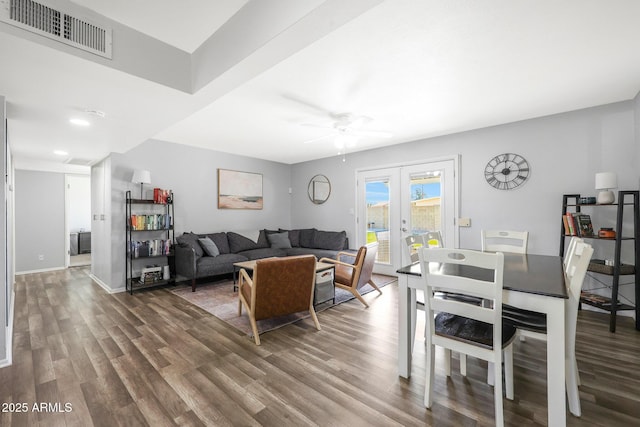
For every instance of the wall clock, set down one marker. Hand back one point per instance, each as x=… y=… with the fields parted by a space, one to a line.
x=507 y=171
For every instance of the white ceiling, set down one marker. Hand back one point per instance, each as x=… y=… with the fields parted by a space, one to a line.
x=418 y=69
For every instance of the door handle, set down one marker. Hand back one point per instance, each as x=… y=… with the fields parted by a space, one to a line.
x=404 y=229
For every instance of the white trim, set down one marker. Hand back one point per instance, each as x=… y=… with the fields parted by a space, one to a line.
x=44 y=270
x=106 y=287
x=8 y=361
x=456 y=182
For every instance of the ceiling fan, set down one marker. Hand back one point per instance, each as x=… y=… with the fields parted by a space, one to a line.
x=346 y=129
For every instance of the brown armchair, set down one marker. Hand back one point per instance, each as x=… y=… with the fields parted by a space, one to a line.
x=279 y=286
x=352 y=277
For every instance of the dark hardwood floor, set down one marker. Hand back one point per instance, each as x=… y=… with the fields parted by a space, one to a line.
x=153 y=359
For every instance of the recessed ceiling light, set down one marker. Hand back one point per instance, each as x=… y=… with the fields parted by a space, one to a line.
x=79 y=122
x=61 y=153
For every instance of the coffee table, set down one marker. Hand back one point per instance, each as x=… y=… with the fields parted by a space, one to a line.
x=325 y=286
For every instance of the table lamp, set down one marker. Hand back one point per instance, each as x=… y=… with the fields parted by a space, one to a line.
x=605 y=181
x=142 y=177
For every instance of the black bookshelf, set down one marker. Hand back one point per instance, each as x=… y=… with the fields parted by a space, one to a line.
x=628 y=203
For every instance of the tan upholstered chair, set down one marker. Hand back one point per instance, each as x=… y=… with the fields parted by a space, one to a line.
x=352 y=277
x=279 y=286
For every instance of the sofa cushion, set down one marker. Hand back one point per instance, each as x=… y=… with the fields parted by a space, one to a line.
x=222 y=264
x=279 y=240
x=208 y=246
x=333 y=240
x=239 y=243
x=191 y=240
x=319 y=253
x=294 y=237
x=220 y=239
x=260 y=253
x=307 y=238
x=263 y=241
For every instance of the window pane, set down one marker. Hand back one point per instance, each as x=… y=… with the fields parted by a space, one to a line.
x=377 y=197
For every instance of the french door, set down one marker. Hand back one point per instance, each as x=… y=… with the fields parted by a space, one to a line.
x=396 y=202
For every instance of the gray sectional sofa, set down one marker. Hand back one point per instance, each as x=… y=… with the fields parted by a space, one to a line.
x=205 y=255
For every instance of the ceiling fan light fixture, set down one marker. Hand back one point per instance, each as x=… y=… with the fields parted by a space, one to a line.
x=345 y=140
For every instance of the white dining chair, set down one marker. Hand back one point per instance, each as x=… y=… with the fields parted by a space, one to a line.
x=568 y=254
x=504 y=241
x=467 y=328
x=534 y=325
x=411 y=245
x=432 y=239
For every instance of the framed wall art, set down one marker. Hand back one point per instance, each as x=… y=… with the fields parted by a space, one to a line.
x=239 y=190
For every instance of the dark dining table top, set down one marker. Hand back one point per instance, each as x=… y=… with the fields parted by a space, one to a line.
x=534 y=274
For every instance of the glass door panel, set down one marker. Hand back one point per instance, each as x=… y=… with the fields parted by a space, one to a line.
x=377 y=216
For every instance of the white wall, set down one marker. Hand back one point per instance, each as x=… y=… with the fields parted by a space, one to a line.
x=191 y=173
x=79 y=198
x=40 y=228
x=101 y=241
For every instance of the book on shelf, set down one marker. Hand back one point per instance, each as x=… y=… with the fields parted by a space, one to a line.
x=577 y=224
x=161 y=196
x=584 y=226
x=595 y=298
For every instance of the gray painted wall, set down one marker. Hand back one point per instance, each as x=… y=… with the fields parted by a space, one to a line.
x=191 y=173
x=565 y=151
x=39 y=222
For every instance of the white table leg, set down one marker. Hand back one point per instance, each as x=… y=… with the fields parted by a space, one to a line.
x=556 y=362
x=404 y=326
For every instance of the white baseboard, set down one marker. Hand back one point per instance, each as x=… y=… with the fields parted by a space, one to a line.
x=106 y=287
x=8 y=360
x=44 y=270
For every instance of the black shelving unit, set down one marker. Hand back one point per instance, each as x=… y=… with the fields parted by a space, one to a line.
x=627 y=201
x=155 y=225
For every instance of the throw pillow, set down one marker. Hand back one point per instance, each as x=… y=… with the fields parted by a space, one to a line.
x=209 y=247
x=333 y=240
x=191 y=240
x=239 y=243
x=307 y=238
x=220 y=239
x=294 y=237
x=279 y=240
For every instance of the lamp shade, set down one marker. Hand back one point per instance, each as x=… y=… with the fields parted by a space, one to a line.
x=141 y=177
x=606 y=180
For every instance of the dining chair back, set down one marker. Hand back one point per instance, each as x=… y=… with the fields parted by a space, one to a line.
x=534 y=325
x=570 y=251
x=468 y=328
x=432 y=239
x=412 y=243
x=504 y=241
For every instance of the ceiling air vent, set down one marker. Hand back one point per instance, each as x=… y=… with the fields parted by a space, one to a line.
x=57 y=25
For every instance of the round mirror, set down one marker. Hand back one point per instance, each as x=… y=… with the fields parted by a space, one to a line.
x=319 y=189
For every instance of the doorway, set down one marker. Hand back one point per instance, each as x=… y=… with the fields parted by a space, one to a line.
x=409 y=199
x=78 y=220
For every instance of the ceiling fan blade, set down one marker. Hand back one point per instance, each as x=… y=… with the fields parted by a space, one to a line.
x=320 y=138
x=372 y=133
x=314 y=125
